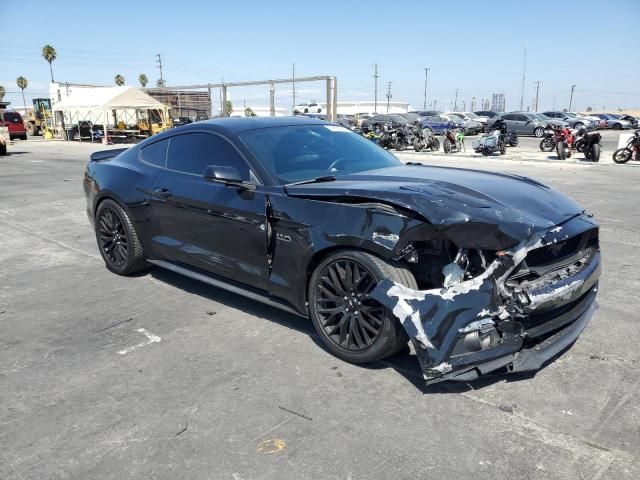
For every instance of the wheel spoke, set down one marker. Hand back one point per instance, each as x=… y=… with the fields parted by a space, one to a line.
x=348 y=315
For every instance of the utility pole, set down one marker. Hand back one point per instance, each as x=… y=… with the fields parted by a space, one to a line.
x=434 y=103
x=388 y=95
x=293 y=105
x=159 y=62
x=524 y=76
x=426 y=79
x=538 y=82
x=375 y=94
x=464 y=105
x=573 y=87
x=455 y=102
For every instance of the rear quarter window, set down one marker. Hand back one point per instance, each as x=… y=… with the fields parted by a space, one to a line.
x=155 y=154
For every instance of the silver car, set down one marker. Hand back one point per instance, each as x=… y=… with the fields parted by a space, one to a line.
x=574 y=120
x=525 y=123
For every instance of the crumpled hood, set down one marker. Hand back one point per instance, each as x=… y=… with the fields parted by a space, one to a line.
x=477 y=209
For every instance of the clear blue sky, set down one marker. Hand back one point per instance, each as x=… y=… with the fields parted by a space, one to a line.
x=474 y=46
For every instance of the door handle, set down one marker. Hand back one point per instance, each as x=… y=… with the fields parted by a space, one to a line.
x=163 y=192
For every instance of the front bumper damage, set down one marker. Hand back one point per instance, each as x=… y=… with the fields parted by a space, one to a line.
x=493 y=322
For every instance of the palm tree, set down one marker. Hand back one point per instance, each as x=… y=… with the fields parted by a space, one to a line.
x=2 y=92
x=49 y=54
x=143 y=80
x=119 y=79
x=228 y=108
x=22 y=84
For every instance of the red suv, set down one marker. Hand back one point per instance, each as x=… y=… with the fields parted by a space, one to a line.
x=13 y=120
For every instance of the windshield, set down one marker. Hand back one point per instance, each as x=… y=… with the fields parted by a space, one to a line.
x=571 y=115
x=412 y=117
x=293 y=154
x=456 y=116
x=542 y=116
x=472 y=115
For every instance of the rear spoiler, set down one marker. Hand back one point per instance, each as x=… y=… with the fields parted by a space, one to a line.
x=106 y=154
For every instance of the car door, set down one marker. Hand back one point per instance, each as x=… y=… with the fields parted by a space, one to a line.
x=206 y=224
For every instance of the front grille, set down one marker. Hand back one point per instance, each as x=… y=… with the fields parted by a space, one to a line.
x=556 y=252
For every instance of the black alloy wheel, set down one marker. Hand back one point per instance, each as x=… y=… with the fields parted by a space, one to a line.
x=112 y=238
x=348 y=315
x=117 y=239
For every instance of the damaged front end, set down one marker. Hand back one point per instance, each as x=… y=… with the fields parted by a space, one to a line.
x=512 y=309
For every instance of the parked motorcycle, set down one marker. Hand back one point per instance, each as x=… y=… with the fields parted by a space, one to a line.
x=589 y=144
x=453 y=141
x=548 y=142
x=404 y=138
x=564 y=143
x=630 y=152
x=423 y=138
x=490 y=143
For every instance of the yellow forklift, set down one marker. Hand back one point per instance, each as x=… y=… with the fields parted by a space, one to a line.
x=39 y=121
x=160 y=121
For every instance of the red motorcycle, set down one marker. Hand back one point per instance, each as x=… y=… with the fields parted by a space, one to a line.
x=564 y=143
x=630 y=152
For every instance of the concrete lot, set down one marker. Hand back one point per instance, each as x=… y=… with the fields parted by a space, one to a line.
x=233 y=389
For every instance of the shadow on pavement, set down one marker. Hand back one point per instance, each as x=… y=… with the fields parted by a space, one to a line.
x=404 y=362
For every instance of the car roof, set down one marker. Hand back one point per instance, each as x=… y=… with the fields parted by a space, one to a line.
x=242 y=124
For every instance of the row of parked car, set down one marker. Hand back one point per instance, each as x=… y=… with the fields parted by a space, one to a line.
x=472 y=123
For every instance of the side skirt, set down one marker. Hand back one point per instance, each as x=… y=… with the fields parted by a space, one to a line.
x=225 y=286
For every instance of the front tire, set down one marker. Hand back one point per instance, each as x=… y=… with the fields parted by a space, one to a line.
x=446 y=146
x=622 y=155
x=514 y=140
x=353 y=326
x=117 y=240
x=417 y=146
x=595 y=152
x=562 y=155
x=547 y=145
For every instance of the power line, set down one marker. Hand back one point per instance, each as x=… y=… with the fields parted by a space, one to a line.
x=426 y=79
x=375 y=94
x=538 y=82
x=293 y=87
x=524 y=77
x=159 y=61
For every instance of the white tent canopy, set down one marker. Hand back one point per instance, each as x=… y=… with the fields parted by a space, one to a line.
x=108 y=98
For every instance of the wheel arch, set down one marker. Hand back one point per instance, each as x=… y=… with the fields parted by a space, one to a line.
x=319 y=256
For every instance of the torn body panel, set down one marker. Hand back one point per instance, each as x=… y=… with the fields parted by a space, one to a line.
x=501 y=317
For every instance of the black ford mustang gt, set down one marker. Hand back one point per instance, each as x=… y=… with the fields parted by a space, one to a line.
x=481 y=271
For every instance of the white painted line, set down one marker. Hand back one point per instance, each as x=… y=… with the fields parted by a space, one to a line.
x=151 y=339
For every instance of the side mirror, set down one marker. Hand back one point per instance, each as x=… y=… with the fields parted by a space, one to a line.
x=227 y=175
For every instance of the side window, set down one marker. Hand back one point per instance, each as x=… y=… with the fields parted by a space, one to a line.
x=156 y=153
x=522 y=118
x=509 y=117
x=193 y=152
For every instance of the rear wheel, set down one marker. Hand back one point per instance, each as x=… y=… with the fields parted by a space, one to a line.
x=117 y=239
x=595 y=152
x=485 y=152
x=538 y=132
x=352 y=325
x=561 y=151
x=3 y=149
x=446 y=145
x=617 y=126
x=401 y=144
x=513 y=139
x=417 y=145
x=622 y=155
